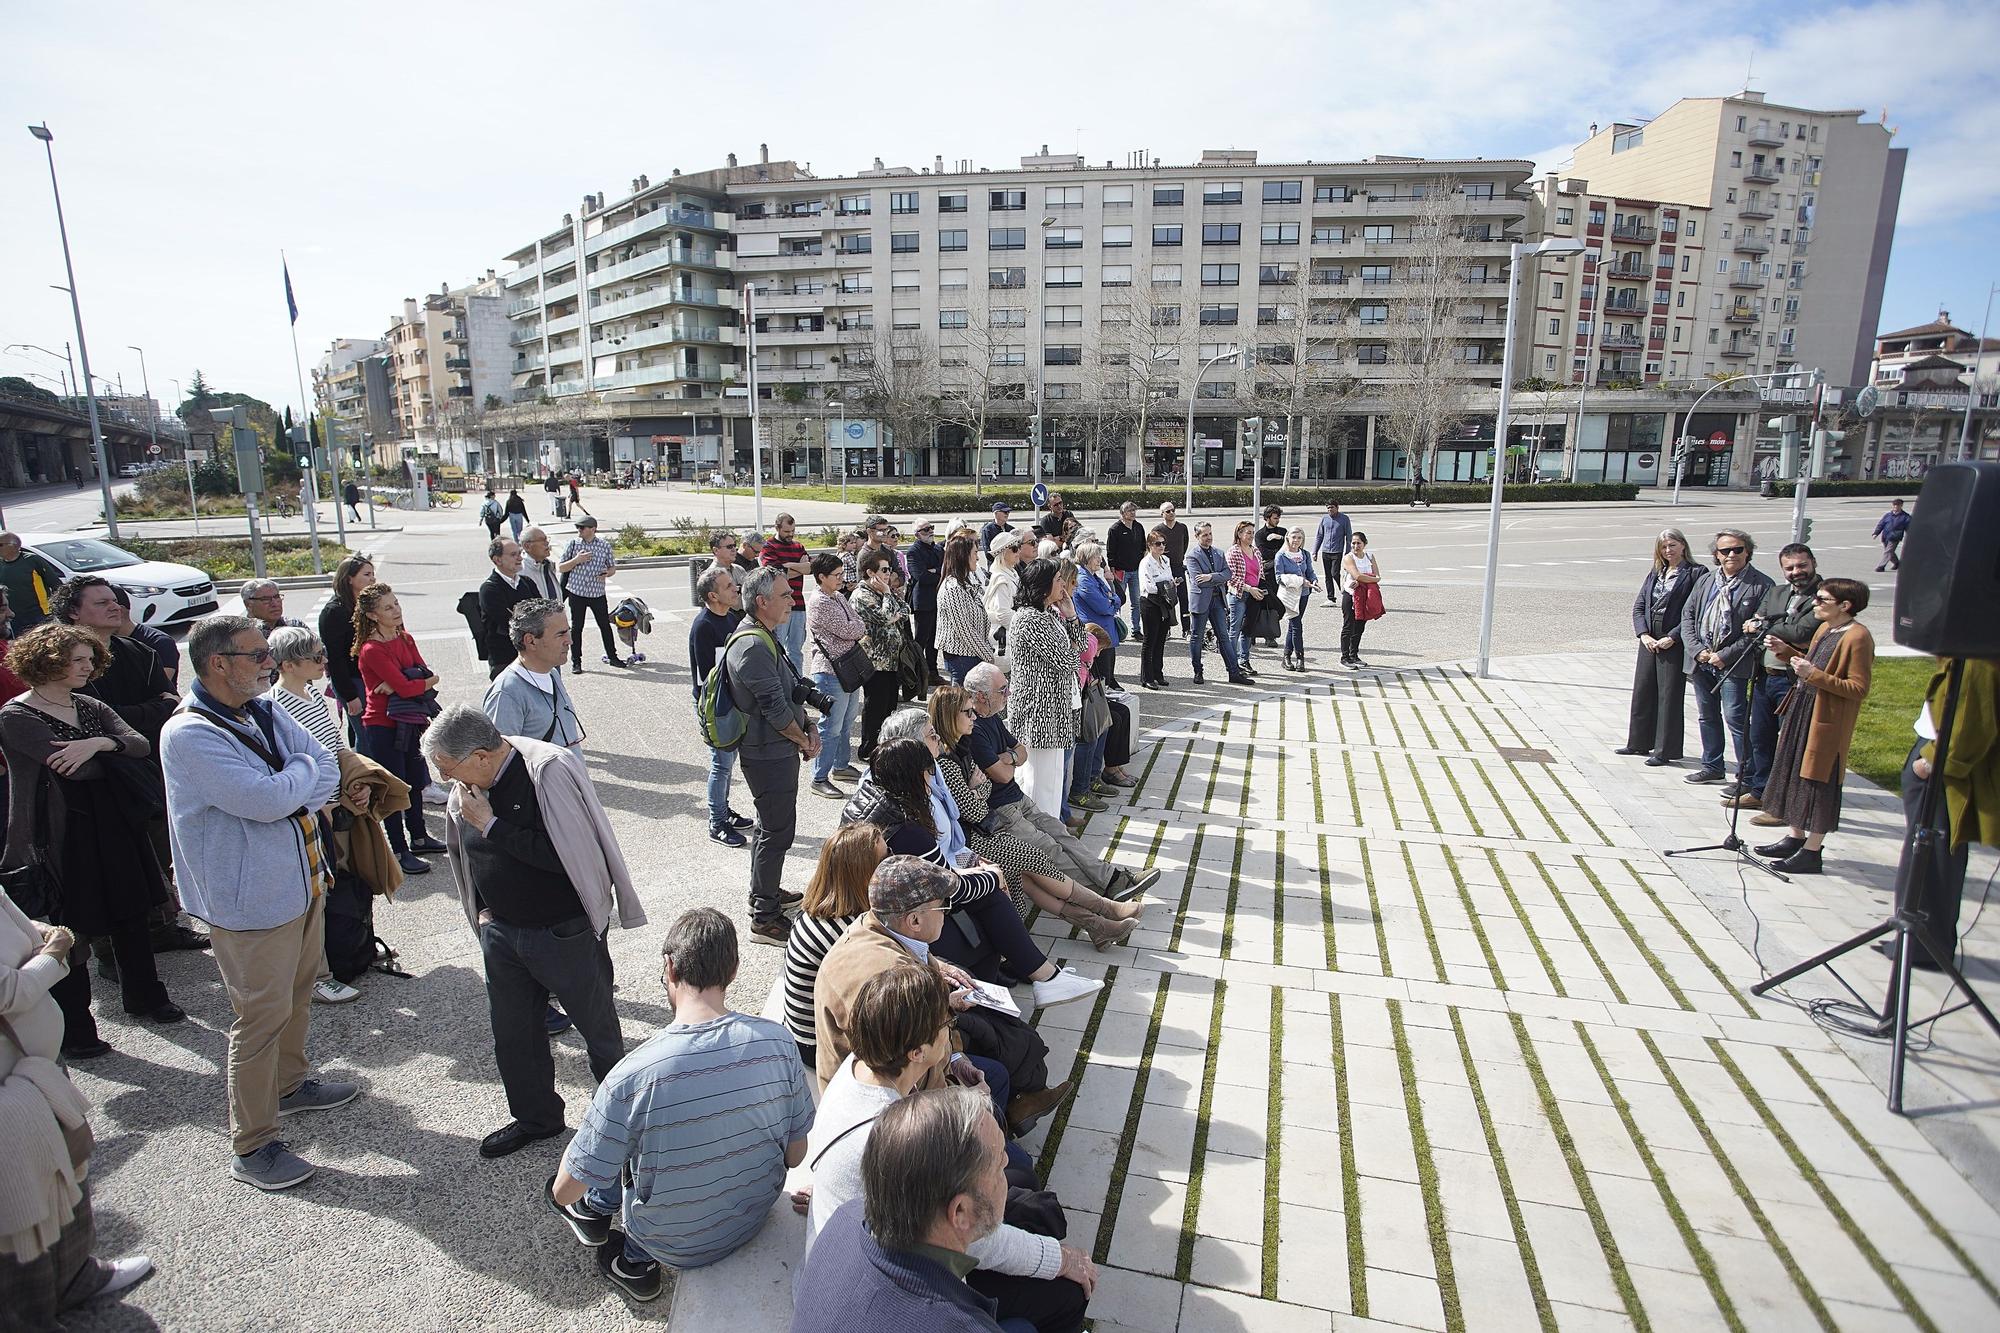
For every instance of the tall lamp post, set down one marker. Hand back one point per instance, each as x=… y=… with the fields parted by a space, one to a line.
x=1517 y=253
x=1187 y=444
x=1965 y=449
x=67 y=358
x=1041 y=346
x=841 y=442
x=187 y=464
x=83 y=350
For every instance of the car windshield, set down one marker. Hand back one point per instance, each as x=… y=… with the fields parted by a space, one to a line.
x=85 y=555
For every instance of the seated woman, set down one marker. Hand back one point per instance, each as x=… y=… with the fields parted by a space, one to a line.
x=835 y=896
x=896 y=798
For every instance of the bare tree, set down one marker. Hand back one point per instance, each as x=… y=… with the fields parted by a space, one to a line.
x=1430 y=391
x=892 y=376
x=1299 y=365
x=1108 y=399
x=981 y=364
x=1154 y=333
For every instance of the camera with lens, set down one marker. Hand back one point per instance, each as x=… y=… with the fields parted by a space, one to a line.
x=805 y=692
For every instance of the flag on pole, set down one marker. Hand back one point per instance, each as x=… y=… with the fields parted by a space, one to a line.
x=291 y=302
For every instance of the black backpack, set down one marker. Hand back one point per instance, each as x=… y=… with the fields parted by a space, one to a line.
x=352 y=946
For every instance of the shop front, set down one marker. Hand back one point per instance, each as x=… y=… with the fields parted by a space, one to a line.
x=1622 y=447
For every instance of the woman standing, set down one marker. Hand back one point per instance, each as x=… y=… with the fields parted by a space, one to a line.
x=964 y=635
x=1097 y=601
x=1659 y=686
x=1295 y=581
x=1246 y=591
x=835 y=897
x=301 y=662
x=392 y=669
x=517 y=512
x=67 y=802
x=1833 y=675
x=886 y=617
x=1271 y=538
x=1042 y=705
x=1003 y=581
x=1156 y=610
x=1360 y=597
x=336 y=631
x=832 y=628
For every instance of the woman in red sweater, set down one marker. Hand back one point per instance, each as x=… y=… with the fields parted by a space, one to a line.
x=392 y=668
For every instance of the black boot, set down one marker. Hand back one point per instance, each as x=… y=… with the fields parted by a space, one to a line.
x=1782 y=848
x=1804 y=861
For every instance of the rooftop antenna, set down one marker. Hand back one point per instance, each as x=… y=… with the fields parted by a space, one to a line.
x=1747 y=69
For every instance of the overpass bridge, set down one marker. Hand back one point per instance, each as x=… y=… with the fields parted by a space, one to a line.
x=42 y=442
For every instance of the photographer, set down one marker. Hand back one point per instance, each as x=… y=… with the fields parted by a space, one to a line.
x=765 y=685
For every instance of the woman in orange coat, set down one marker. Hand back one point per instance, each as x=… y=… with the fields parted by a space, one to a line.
x=1833 y=675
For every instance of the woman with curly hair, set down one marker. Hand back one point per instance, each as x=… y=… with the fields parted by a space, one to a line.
x=393 y=669
x=68 y=802
x=886 y=617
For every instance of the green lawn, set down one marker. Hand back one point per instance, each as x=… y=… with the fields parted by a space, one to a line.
x=1882 y=736
x=284 y=557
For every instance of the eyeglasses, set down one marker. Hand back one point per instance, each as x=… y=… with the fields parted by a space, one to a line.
x=1824 y=600
x=261 y=654
x=1729 y=550
x=265 y=597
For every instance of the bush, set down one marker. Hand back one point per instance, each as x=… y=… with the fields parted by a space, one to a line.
x=284 y=557
x=1907 y=488
x=961 y=499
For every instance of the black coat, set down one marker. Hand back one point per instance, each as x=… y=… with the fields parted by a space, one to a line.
x=1125 y=545
x=497 y=600
x=926 y=562
x=1668 y=619
x=336 y=631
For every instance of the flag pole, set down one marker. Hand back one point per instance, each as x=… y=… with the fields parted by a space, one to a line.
x=305 y=406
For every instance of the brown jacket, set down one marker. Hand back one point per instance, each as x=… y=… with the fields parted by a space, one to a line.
x=363 y=847
x=866 y=948
x=1842 y=687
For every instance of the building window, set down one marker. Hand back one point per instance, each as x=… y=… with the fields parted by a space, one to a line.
x=1329 y=235
x=1596 y=215
x=1280 y=233
x=1555 y=325
x=1565 y=217
x=1006 y=238
x=1277 y=275
x=1372 y=354
x=857 y=245
x=1376 y=273
x=1218 y=314
x=1628 y=139
x=1556 y=290
x=1217 y=389
x=1330 y=194
x=1117 y=237
x=1006 y=201
x=1166 y=316
x=1115 y=275
x=954 y=202
x=1054 y=390
x=854 y=206
x=1379 y=233
x=952 y=239
x=953 y=279
x=1113 y=314
x=1478 y=191
x=951 y=357
x=1222 y=192
x=1006 y=277
x=1062 y=238
x=1281 y=192
x=1005 y=355
x=1166 y=275
x=1007 y=317
x=1117 y=196
x=1222 y=233
x=1062 y=276
x=1372 y=314
x=1062 y=316
x=904 y=280
x=1063 y=196
x=1220 y=275
x=1063 y=354
x=1164 y=234
x=902 y=242
x=906 y=319
x=904 y=201
x=1168 y=196
x=951 y=319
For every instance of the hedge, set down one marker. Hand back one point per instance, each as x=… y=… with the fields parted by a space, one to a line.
x=1907 y=489
x=962 y=499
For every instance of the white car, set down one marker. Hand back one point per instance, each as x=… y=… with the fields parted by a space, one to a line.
x=164 y=595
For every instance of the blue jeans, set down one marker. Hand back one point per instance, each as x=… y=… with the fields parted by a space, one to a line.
x=1129 y=580
x=792 y=634
x=515 y=522
x=958 y=667
x=1765 y=696
x=1216 y=618
x=1241 y=605
x=1089 y=764
x=721 y=765
x=1717 y=698
x=606 y=1201
x=836 y=729
x=1295 y=628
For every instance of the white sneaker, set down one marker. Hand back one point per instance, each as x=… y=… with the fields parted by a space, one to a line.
x=331 y=991
x=125 y=1272
x=436 y=795
x=1063 y=987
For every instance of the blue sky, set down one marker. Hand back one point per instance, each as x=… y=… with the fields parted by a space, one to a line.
x=393 y=150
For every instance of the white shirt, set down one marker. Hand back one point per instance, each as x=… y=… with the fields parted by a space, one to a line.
x=1154 y=570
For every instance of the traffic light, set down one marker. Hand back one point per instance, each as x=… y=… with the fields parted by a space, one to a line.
x=1805 y=530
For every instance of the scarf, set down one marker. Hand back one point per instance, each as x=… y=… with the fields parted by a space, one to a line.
x=1716 y=624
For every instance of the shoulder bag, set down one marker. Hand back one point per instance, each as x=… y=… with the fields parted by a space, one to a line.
x=34 y=885
x=850 y=668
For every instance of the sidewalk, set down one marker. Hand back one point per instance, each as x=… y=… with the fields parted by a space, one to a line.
x=1438 y=1039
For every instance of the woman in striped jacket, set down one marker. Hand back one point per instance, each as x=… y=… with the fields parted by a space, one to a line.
x=964 y=636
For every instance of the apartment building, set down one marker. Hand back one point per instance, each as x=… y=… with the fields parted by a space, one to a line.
x=1033 y=281
x=447 y=363
x=1927 y=378
x=1800 y=211
x=340 y=391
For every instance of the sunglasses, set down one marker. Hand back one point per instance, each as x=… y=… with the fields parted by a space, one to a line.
x=1729 y=550
x=261 y=655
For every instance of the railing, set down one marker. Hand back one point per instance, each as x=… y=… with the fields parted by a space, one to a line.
x=1621 y=342
x=522 y=336
x=523 y=306
x=1752 y=245
x=1761 y=175
x=1763 y=136
x=1635 y=235
x=458 y=363
x=1759 y=211
x=523 y=364
x=1740 y=315
x=521 y=274
x=1747 y=281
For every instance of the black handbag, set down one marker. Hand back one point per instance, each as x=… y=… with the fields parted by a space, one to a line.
x=33 y=885
x=851 y=668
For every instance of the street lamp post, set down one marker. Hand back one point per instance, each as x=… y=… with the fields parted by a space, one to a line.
x=83 y=349
x=1187 y=444
x=1965 y=449
x=1041 y=347
x=842 y=444
x=67 y=358
x=1518 y=252
x=756 y=444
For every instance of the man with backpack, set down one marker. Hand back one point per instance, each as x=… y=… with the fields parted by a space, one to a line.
x=721 y=612
x=765 y=688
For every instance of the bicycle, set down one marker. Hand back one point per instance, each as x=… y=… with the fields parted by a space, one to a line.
x=445 y=499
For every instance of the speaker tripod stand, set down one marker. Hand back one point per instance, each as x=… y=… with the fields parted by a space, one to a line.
x=1907 y=922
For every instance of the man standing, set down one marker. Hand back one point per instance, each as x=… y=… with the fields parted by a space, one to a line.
x=536 y=567
x=1785 y=610
x=1059 y=523
x=1177 y=546
x=538 y=872
x=924 y=559
x=505 y=588
x=350 y=495
x=722 y=555
x=998 y=753
x=1001 y=512
x=1207 y=582
x=165 y=651
x=589 y=563
x=784 y=551
x=690 y=1136
x=1124 y=548
x=721 y=611
x=1890 y=528
x=528 y=698
x=264 y=602
x=1329 y=543
x=764 y=684
x=30 y=581
x=1719 y=654
x=243 y=782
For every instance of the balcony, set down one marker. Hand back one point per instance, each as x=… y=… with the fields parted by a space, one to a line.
x=562 y=291
x=1738 y=352
x=565 y=389
x=648 y=223
x=527 y=335
x=663 y=336
x=1763 y=136
x=667 y=372
x=1751 y=245
x=1761 y=174
x=522 y=274
x=812 y=296
x=1621 y=342
x=567 y=324
x=459 y=391
x=532 y=361
x=1634 y=233
x=794 y=374
x=1741 y=314
x=524 y=305
x=1748 y=282
x=458 y=363
x=1755 y=212
x=797 y=337
x=812 y=260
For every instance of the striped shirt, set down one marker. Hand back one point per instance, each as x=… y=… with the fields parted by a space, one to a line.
x=700 y=1117
x=310 y=711
x=805 y=950
x=778 y=551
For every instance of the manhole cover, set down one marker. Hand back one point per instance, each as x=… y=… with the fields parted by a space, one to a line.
x=1525 y=755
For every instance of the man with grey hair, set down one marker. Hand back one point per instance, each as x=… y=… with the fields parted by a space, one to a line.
x=504 y=589
x=244 y=783
x=529 y=698
x=1720 y=654
x=538 y=872
x=536 y=565
x=933 y=1182
x=690 y=1136
x=264 y=602
x=764 y=684
x=721 y=600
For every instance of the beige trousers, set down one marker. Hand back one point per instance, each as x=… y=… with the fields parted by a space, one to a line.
x=269 y=975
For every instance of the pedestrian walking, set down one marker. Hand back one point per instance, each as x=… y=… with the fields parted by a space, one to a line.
x=1890 y=529
x=765 y=686
x=1417 y=486
x=964 y=635
x=517 y=512
x=1655 y=725
x=1360 y=597
x=834 y=630
x=350 y=495
x=1156 y=610
x=395 y=681
x=490 y=514
x=1329 y=544
x=588 y=564
x=1813 y=745
x=576 y=495
x=1297 y=580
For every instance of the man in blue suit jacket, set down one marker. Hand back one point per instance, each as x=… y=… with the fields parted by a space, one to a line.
x=1207 y=582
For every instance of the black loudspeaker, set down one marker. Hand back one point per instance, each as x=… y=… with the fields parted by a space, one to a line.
x=1948 y=591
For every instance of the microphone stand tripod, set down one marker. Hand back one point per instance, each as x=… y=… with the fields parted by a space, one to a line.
x=1908 y=921
x=1733 y=844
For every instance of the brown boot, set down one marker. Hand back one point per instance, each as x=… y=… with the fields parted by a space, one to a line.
x=1082 y=895
x=1103 y=931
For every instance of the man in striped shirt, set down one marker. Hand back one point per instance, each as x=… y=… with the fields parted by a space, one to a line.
x=691 y=1134
x=785 y=551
